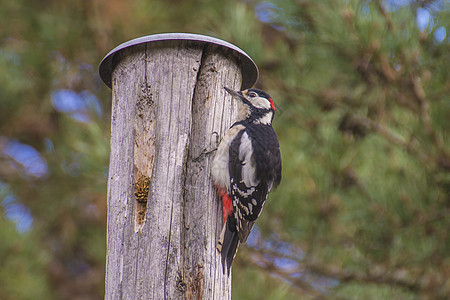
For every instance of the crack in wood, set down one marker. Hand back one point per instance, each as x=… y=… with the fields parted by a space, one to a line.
x=203 y=141
x=185 y=284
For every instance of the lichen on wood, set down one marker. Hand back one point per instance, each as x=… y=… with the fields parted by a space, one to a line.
x=141 y=187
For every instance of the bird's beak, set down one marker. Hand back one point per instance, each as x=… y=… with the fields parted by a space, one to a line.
x=236 y=94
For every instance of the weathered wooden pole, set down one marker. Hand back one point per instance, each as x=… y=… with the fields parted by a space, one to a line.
x=169 y=111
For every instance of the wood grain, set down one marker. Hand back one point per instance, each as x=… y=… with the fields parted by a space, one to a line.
x=169 y=112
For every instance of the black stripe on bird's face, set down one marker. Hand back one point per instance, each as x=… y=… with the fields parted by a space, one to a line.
x=258 y=106
x=259 y=99
x=254 y=98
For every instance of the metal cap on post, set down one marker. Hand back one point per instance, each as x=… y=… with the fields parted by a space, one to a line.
x=249 y=69
x=169 y=111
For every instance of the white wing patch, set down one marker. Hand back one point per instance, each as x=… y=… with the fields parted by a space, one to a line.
x=260 y=102
x=248 y=164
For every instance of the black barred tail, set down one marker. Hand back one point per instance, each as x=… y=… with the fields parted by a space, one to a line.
x=228 y=243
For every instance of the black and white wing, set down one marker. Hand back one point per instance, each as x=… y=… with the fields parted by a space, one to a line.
x=248 y=193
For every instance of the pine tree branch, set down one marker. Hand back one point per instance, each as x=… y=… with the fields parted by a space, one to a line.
x=427 y=284
x=397 y=139
x=420 y=96
x=261 y=261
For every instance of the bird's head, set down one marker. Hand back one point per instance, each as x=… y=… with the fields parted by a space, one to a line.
x=255 y=105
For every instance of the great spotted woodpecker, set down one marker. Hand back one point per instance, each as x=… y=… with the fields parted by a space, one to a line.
x=246 y=167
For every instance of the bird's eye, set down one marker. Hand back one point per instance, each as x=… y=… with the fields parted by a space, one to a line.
x=252 y=94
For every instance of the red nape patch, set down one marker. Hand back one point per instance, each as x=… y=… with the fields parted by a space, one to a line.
x=227 y=207
x=271 y=103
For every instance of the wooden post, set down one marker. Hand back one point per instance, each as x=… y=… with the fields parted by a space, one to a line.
x=169 y=112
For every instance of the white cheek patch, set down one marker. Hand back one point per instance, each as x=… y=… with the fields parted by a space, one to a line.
x=260 y=102
x=248 y=165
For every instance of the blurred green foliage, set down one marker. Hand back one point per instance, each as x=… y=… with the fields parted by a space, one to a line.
x=363 y=210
